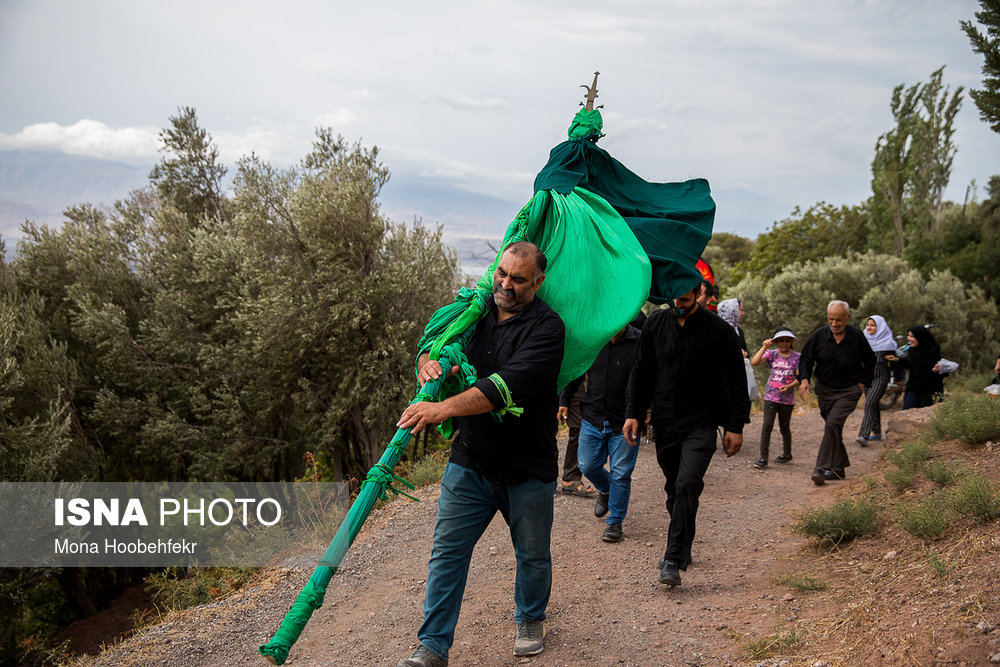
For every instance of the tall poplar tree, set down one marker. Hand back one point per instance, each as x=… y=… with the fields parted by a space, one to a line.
x=987 y=44
x=913 y=161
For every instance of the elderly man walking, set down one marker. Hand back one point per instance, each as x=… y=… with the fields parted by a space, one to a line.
x=840 y=362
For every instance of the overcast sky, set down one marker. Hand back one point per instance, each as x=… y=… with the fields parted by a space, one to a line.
x=781 y=98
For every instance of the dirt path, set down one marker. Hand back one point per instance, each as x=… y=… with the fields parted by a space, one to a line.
x=607 y=605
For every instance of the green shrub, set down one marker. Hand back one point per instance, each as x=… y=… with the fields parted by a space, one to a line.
x=940 y=472
x=937 y=564
x=843 y=521
x=975 y=497
x=777 y=641
x=801 y=581
x=178 y=588
x=427 y=470
x=916 y=451
x=925 y=518
x=900 y=478
x=970 y=418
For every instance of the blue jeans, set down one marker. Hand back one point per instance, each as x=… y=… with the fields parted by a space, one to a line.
x=466 y=506
x=604 y=444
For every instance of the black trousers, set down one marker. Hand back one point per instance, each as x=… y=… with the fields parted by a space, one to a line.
x=684 y=459
x=784 y=414
x=835 y=406
x=571 y=467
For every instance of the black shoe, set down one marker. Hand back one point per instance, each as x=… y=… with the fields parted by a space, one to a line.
x=613 y=533
x=783 y=459
x=761 y=464
x=669 y=574
x=834 y=474
x=819 y=476
x=423 y=657
x=601 y=506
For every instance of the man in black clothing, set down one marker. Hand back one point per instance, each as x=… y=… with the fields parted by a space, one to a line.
x=690 y=369
x=844 y=364
x=508 y=465
x=601 y=441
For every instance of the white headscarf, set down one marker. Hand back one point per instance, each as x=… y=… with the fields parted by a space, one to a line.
x=882 y=340
x=729 y=310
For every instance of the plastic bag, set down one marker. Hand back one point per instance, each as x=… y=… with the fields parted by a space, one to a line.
x=752 y=388
x=945 y=366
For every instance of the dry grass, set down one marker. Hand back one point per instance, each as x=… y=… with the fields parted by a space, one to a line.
x=896 y=599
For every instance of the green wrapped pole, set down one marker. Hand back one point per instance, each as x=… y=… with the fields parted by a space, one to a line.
x=377 y=482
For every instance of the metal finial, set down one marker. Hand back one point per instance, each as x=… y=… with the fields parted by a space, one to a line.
x=591 y=94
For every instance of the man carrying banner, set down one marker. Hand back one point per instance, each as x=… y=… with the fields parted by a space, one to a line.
x=508 y=465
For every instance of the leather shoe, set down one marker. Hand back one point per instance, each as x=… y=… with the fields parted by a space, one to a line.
x=423 y=657
x=669 y=574
x=613 y=533
x=834 y=474
x=819 y=476
x=601 y=506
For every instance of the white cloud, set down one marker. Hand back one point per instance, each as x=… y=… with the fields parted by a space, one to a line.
x=464 y=102
x=336 y=119
x=88 y=137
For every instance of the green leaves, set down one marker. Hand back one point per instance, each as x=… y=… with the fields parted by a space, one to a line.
x=190 y=334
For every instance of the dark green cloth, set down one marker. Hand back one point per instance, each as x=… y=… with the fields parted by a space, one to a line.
x=672 y=221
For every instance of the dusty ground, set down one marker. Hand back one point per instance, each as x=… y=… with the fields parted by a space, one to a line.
x=607 y=606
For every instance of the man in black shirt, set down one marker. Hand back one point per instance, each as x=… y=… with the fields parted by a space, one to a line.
x=690 y=369
x=603 y=415
x=507 y=465
x=844 y=363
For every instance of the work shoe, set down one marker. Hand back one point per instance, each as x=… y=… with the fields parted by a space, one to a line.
x=669 y=574
x=782 y=459
x=861 y=441
x=423 y=657
x=834 y=474
x=613 y=533
x=818 y=476
x=761 y=463
x=530 y=638
x=601 y=506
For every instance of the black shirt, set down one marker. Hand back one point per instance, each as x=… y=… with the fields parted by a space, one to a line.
x=692 y=375
x=607 y=382
x=525 y=350
x=838 y=365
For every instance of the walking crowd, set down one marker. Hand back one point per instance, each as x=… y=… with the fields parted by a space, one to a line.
x=685 y=374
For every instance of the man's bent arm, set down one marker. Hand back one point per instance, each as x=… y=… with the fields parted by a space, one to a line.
x=469 y=402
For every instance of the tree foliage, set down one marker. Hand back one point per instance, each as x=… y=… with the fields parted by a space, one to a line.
x=821 y=231
x=913 y=161
x=987 y=45
x=189 y=334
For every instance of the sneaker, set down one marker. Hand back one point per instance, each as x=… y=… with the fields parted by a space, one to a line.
x=761 y=463
x=861 y=441
x=669 y=574
x=423 y=657
x=874 y=436
x=530 y=638
x=818 y=476
x=601 y=506
x=783 y=459
x=613 y=533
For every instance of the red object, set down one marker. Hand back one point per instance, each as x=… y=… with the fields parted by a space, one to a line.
x=709 y=275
